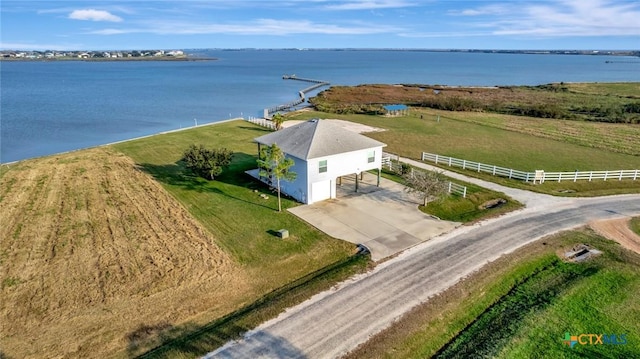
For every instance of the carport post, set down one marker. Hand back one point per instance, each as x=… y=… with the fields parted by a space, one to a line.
x=356 y=182
x=379 y=171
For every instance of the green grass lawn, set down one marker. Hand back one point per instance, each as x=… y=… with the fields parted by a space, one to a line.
x=230 y=207
x=409 y=136
x=521 y=305
x=244 y=225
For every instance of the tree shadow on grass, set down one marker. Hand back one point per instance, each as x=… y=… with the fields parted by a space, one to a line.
x=176 y=174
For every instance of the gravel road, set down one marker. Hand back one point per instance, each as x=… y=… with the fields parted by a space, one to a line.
x=334 y=322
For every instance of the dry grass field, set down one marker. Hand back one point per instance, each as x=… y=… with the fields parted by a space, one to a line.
x=601 y=102
x=95 y=257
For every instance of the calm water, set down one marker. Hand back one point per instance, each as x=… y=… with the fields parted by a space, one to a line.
x=51 y=107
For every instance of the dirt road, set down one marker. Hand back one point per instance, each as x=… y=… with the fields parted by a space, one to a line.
x=333 y=323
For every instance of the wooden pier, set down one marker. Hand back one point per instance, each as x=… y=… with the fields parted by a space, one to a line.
x=301 y=94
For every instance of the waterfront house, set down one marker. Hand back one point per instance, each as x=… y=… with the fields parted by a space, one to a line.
x=323 y=152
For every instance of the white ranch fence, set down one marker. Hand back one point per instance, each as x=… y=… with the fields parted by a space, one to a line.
x=262 y=122
x=396 y=167
x=538 y=176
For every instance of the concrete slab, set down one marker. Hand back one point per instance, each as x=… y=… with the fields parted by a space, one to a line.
x=386 y=219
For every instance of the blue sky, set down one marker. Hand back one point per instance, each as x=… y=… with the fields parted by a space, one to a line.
x=424 y=24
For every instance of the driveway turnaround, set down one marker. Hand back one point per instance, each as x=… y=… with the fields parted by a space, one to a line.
x=385 y=219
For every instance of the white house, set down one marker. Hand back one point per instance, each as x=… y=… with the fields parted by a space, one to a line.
x=323 y=152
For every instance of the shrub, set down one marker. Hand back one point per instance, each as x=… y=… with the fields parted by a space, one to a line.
x=206 y=163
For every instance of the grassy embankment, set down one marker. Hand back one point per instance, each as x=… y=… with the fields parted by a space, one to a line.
x=96 y=246
x=634 y=224
x=521 y=305
x=456 y=136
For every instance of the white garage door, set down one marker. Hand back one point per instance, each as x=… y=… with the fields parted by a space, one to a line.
x=320 y=191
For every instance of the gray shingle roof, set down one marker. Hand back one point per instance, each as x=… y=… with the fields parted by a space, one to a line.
x=317 y=138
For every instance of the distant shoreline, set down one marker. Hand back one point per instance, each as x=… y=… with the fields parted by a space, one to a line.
x=105 y=59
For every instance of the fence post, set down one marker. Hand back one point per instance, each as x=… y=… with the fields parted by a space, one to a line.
x=449 y=161
x=436 y=159
x=605 y=175
x=635 y=175
x=478 y=166
x=620 y=178
x=449 y=187
x=464 y=164
x=575 y=176
x=510 y=172
x=527 y=178
x=590 y=176
x=464 y=192
x=494 y=170
x=559 y=176
x=422 y=158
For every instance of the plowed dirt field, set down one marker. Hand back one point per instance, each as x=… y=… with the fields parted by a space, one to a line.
x=94 y=251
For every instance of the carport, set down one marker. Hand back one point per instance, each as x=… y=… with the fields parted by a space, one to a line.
x=385 y=219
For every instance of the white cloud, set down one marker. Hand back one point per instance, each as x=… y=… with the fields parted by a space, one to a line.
x=94 y=15
x=37 y=47
x=256 y=27
x=370 y=5
x=557 y=18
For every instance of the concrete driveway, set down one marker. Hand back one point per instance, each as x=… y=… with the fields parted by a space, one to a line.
x=385 y=219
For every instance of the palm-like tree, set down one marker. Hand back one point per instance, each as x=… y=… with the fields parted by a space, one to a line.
x=273 y=162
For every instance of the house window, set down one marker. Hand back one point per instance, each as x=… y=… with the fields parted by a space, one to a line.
x=322 y=166
x=371 y=156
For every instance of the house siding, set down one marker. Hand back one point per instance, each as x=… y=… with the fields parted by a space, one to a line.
x=297 y=188
x=341 y=165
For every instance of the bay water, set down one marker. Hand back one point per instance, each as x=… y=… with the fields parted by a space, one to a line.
x=49 y=107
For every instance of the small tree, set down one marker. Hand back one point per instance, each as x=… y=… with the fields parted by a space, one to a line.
x=277 y=120
x=207 y=163
x=425 y=185
x=274 y=163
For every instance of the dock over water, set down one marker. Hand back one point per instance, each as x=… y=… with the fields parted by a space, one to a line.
x=301 y=94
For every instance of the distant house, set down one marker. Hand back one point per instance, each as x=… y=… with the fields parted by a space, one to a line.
x=396 y=110
x=322 y=152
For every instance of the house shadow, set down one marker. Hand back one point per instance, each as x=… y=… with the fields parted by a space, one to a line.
x=260 y=344
x=190 y=340
x=257 y=129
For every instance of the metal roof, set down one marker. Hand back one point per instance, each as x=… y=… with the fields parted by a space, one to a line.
x=317 y=138
x=395 y=107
